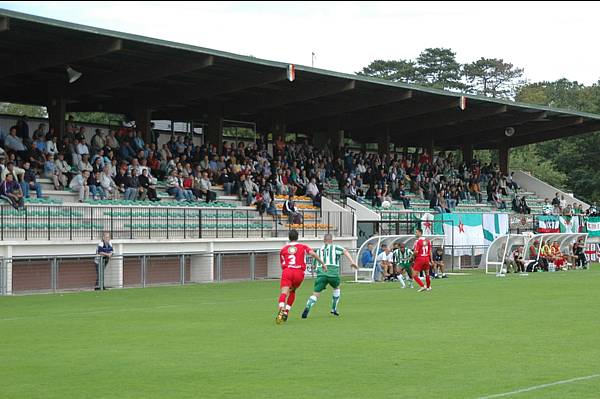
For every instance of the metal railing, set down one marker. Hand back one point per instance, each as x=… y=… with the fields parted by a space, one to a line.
x=37 y=274
x=59 y=222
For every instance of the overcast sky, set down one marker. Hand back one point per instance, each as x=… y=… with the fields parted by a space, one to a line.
x=551 y=40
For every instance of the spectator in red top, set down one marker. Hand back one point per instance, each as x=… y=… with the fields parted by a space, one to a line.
x=424 y=158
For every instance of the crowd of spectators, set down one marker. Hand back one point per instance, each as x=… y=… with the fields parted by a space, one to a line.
x=120 y=164
x=558 y=206
x=437 y=178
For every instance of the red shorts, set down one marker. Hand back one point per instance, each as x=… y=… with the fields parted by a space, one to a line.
x=292 y=278
x=421 y=264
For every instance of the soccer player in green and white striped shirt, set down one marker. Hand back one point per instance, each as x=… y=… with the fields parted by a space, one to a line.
x=403 y=258
x=332 y=256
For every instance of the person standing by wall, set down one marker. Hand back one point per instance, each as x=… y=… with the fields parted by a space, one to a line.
x=104 y=252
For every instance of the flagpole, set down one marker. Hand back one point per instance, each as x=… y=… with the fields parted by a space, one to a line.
x=452 y=243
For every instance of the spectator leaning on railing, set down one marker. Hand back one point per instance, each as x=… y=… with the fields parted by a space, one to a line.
x=104 y=252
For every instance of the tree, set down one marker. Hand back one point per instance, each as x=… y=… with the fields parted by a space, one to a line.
x=493 y=77
x=576 y=157
x=527 y=158
x=437 y=67
x=395 y=70
x=562 y=93
x=98 y=117
x=34 y=111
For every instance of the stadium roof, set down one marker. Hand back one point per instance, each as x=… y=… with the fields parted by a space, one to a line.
x=123 y=72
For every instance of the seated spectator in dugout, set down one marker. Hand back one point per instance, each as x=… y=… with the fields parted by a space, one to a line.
x=367 y=257
x=578 y=256
x=384 y=267
x=546 y=255
x=538 y=261
x=517 y=256
x=514 y=261
x=438 y=263
x=558 y=258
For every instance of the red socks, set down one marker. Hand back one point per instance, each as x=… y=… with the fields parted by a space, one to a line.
x=291 y=298
x=428 y=280
x=418 y=280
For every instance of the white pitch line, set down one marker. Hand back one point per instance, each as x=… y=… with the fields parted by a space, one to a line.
x=551 y=384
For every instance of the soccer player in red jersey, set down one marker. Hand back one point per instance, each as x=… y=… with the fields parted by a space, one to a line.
x=423 y=260
x=293 y=263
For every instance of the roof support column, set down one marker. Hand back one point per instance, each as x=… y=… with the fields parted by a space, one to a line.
x=503 y=155
x=383 y=145
x=336 y=135
x=56 y=107
x=430 y=148
x=214 y=131
x=262 y=133
x=467 y=153
x=143 y=116
x=278 y=127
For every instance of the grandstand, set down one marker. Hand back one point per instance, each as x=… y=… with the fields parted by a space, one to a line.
x=181 y=98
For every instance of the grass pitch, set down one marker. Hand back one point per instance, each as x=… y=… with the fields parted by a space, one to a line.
x=473 y=336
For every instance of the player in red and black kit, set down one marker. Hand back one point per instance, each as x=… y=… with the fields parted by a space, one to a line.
x=423 y=261
x=293 y=263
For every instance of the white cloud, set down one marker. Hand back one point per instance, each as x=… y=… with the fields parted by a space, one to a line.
x=549 y=41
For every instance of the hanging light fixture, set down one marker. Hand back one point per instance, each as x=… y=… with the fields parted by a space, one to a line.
x=73 y=74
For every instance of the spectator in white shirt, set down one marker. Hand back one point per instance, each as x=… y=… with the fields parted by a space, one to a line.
x=111 y=141
x=563 y=202
x=107 y=183
x=311 y=189
x=85 y=164
x=63 y=166
x=82 y=148
x=113 y=168
x=17 y=172
x=384 y=263
x=360 y=168
x=80 y=185
x=205 y=188
x=51 y=146
x=547 y=209
x=135 y=164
